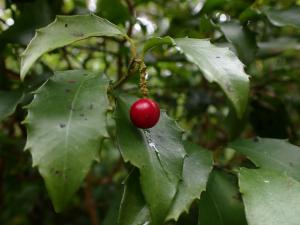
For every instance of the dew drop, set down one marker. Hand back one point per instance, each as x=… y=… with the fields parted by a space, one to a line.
x=152 y=145
x=150 y=141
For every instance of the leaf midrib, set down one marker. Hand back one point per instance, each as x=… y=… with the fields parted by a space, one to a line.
x=67 y=133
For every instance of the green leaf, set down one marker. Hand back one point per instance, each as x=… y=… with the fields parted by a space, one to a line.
x=242 y=39
x=249 y=14
x=113 y=10
x=133 y=209
x=219 y=65
x=288 y=17
x=211 y=5
x=270 y=198
x=155 y=42
x=65 y=123
x=196 y=168
x=158 y=153
x=275 y=154
x=221 y=204
x=63 y=31
x=111 y=216
x=8 y=102
x=277 y=46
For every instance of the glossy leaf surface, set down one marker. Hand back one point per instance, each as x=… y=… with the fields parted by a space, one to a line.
x=196 y=168
x=272 y=154
x=63 y=31
x=219 y=65
x=65 y=124
x=159 y=155
x=269 y=197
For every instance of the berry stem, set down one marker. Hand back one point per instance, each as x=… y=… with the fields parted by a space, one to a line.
x=143 y=81
x=136 y=64
x=132 y=46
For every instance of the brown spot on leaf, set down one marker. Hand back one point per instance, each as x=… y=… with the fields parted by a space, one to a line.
x=78 y=34
x=56 y=172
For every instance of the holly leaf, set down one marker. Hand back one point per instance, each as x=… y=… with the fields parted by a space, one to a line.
x=65 y=124
x=157 y=152
x=221 y=203
x=63 y=31
x=269 y=197
x=242 y=40
x=133 y=209
x=274 y=154
x=113 y=10
x=196 y=168
x=8 y=102
x=219 y=65
x=277 y=46
x=281 y=18
x=155 y=42
x=111 y=216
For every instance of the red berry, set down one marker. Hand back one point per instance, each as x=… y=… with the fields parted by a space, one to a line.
x=144 y=113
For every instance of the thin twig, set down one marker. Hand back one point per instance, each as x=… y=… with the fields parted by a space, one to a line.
x=90 y=202
x=3 y=21
x=120 y=62
x=133 y=68
x=65 y=54
x=131 y=11
x=106 y=63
